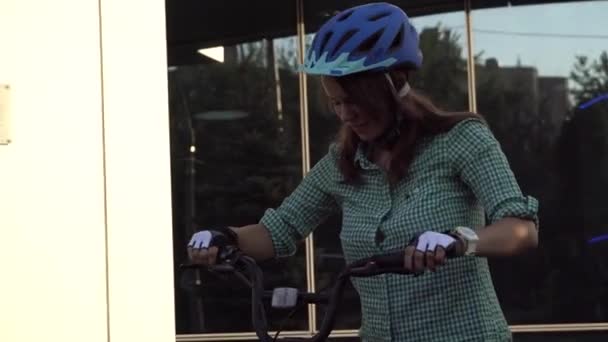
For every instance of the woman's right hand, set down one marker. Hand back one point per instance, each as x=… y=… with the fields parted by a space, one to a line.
x=200 y=250
x=205 y=245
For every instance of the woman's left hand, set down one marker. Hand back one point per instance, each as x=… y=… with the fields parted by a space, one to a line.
x=429 y=251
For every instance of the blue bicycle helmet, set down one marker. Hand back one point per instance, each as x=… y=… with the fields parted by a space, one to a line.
x=371 y=37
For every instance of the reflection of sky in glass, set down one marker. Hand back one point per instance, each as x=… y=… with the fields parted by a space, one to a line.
x=552 y=52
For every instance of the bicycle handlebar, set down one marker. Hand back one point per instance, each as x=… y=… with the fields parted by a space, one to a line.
x=247 y=269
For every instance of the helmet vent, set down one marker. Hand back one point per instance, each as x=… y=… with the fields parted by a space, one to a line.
x=398 y=39
x=378 y=16
x=343 y=40
x=345 y=15
x=370 y=42
x=324 y=41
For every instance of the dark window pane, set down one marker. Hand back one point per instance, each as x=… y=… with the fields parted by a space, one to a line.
x=530 y=79
x=235 y=135
x=443 y=78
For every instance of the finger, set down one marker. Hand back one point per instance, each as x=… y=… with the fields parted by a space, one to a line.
x=422 y=244
x=418 y=262
x=408 y=259
x=440 y=255
x=430 y=260
x=431 y=245
x=190 y=253
x=200 y=256
x=212 y=255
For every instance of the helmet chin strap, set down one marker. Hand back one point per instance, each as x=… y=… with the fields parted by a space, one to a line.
x=389 y=137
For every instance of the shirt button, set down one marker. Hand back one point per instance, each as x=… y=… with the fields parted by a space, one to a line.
x=388 y=212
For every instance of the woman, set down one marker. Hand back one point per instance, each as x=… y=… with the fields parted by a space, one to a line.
x=404 y=175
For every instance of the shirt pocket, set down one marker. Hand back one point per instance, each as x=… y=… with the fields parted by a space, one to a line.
x=416 y=198
x=419 y=208
x=429 y=190
x=358 y=233
x=368 y=197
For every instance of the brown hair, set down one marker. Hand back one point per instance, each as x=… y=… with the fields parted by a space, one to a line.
x=421 y=118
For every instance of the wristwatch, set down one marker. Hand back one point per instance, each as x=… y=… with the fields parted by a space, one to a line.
x=469 y=237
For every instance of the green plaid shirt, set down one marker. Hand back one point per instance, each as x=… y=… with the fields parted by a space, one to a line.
x=457 y=178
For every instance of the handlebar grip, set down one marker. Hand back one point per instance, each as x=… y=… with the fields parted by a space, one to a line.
x=390 y=260
x=396 y=258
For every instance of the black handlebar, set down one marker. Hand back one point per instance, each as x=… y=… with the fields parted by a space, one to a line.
x=249 y=272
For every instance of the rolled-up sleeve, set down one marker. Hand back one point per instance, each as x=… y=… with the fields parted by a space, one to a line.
x=303 y=210
x=483 y=166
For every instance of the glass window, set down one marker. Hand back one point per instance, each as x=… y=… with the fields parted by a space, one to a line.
x=533 y=81
x=235 y=146
x=443 y=78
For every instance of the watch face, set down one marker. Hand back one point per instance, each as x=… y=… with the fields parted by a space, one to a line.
x=467 y=233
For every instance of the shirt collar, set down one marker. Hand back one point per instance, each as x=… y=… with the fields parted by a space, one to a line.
x=361 y=158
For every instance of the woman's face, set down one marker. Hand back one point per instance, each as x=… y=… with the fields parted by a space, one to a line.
x=368 y=126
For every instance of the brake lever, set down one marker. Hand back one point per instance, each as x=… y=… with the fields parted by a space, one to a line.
x=371 y=268
x=366 y=270
x=229 y=256
x=222 y=268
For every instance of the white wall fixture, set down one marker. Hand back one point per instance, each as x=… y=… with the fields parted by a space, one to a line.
x=5 y=114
